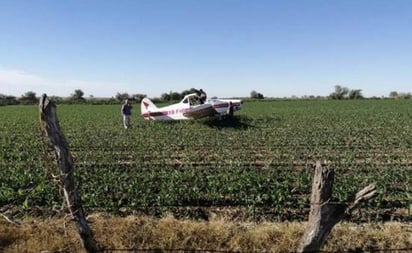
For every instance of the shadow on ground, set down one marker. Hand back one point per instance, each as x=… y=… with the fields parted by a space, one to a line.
x=229 y=122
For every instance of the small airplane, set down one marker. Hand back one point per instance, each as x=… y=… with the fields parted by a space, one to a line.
x=189 y=107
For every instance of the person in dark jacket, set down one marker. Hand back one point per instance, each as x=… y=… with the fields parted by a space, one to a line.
x=127 y=113
x=202 y=96
x=229 y=112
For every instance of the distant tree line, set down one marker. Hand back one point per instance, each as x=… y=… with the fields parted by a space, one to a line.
x=345 y=93
x=77 y=97
x=400 y=95
x=256 y=95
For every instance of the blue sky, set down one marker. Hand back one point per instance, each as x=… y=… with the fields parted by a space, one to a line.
x=226 y=47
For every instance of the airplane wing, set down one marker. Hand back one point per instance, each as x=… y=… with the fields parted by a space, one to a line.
x=200 y=111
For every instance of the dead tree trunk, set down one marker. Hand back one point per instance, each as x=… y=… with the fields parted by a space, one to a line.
x=51 y=128
x=323 y=214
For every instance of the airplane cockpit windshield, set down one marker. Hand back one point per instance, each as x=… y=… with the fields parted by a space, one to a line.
x=194 y=100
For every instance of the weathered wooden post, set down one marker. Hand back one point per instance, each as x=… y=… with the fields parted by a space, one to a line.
x=323 y=214
x=51 y=128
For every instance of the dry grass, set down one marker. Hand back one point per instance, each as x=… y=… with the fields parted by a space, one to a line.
x=136 y=232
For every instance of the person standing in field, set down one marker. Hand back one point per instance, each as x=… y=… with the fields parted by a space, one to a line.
x=127 y=113
x=229 y=111
x=202 y=96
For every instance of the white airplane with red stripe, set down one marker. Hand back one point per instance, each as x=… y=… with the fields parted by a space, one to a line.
x=188 y=108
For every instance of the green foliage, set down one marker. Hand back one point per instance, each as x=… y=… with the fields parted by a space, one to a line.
x=344 y=93
x=7 y=100
x=355 y=94
x=263 y=161
x=402 y=95
x=122 y=96
x=28 y=98
x=175 y=96
x=78 y=95
x=339 y=93
x=138 y=97
x=256 y=95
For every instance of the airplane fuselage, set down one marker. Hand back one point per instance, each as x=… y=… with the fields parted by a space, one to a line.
x=188 y=108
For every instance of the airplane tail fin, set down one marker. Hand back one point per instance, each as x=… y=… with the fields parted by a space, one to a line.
x=147 y=106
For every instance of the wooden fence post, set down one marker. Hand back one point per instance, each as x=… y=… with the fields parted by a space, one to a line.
x=51 y=128
x=323 y=214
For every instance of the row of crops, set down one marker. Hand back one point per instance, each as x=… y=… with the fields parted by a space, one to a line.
x=261 y=162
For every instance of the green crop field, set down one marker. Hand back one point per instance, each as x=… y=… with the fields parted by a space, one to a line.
x=262 y=162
